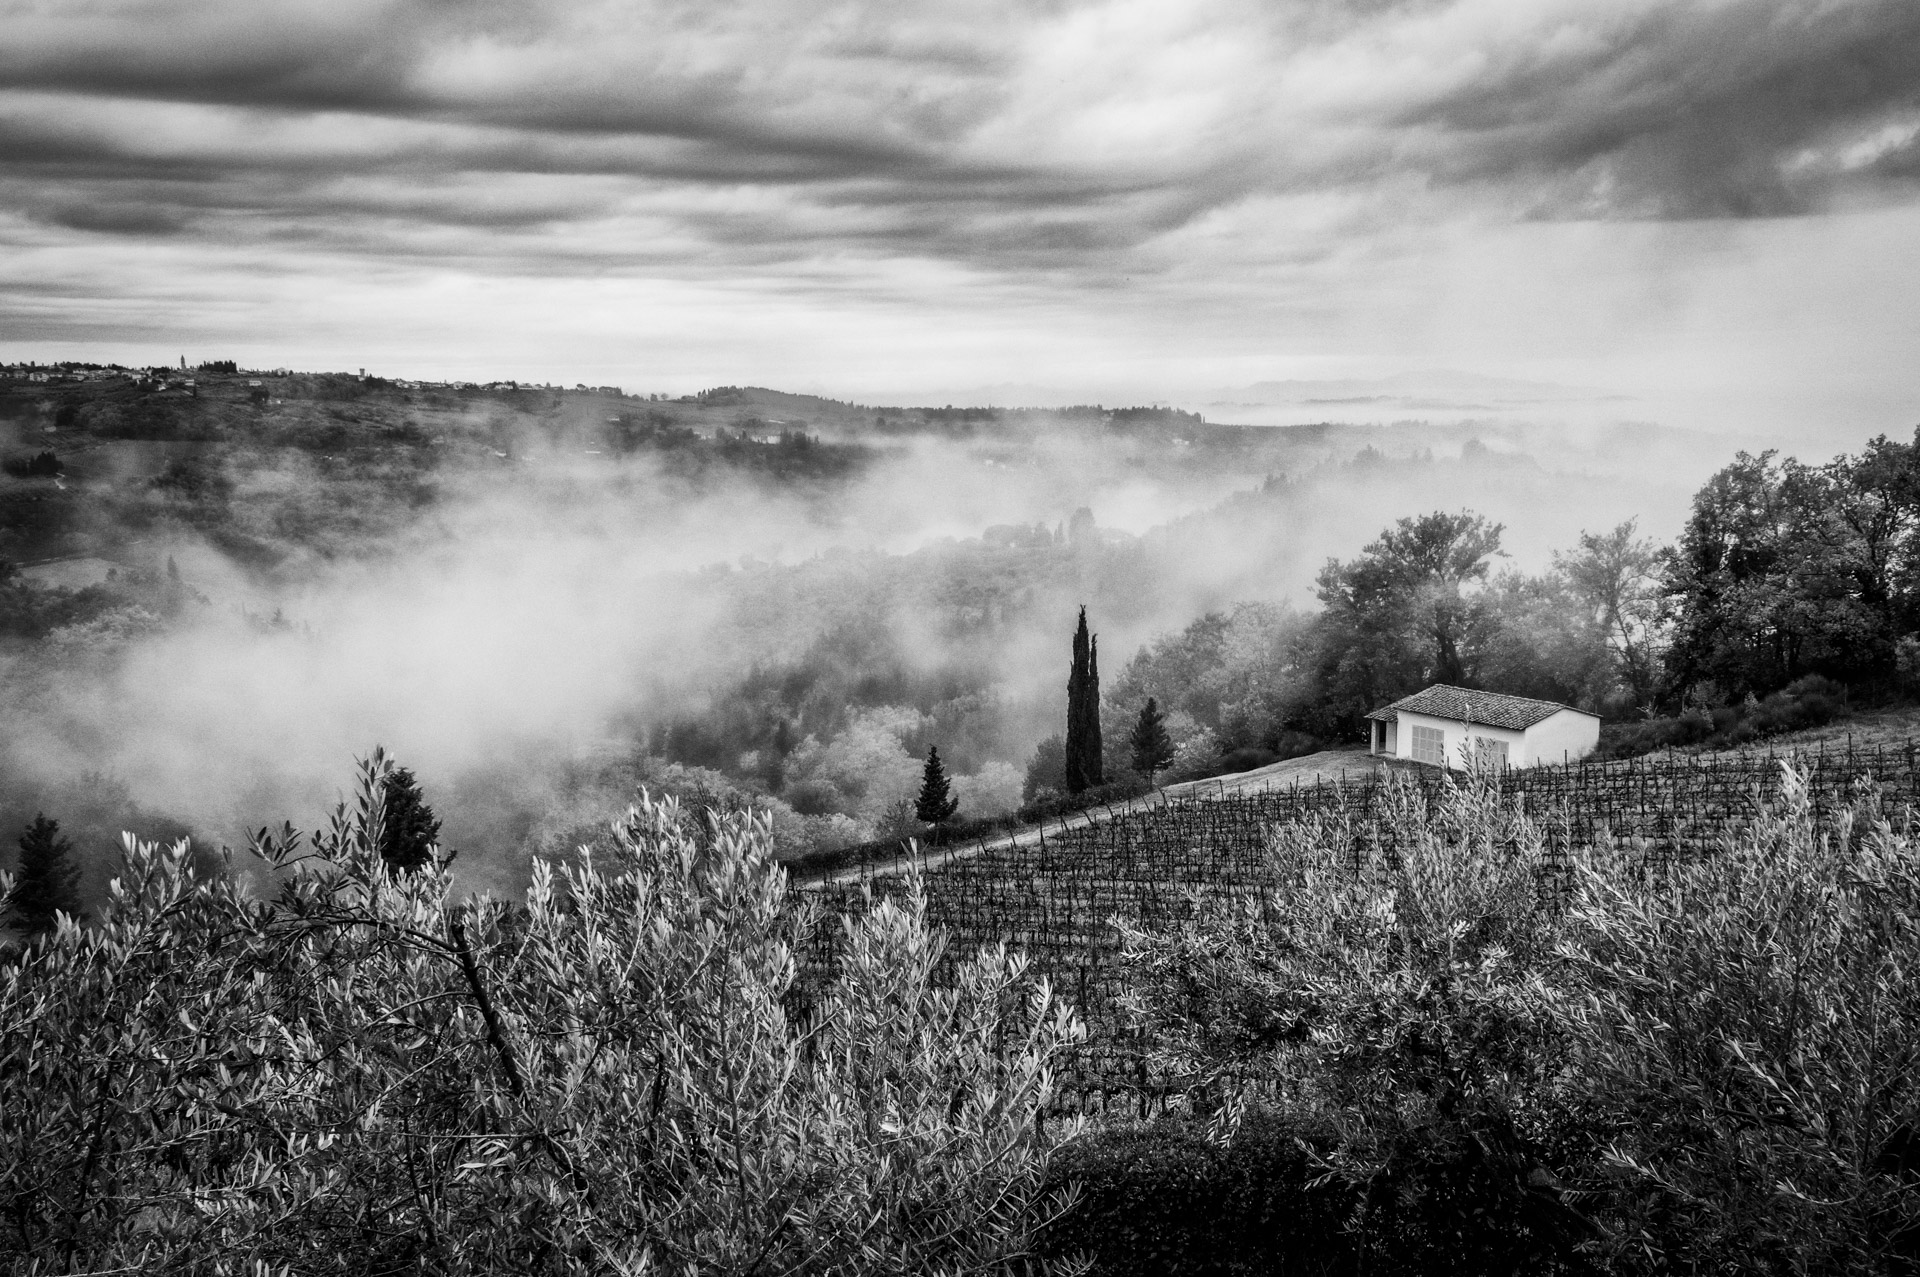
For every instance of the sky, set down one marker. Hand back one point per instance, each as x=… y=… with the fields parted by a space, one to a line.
x=1709 y=207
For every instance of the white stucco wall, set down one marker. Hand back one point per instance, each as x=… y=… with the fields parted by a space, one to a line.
x=1455 y=733
x=1567 y=736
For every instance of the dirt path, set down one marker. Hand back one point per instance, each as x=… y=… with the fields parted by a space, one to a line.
x=1309 y=769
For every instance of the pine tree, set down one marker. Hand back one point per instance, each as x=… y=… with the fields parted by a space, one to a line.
x=409 y=830
x=1085 y=768
x=1152 y=747
x=936 y=803
x=48 y=881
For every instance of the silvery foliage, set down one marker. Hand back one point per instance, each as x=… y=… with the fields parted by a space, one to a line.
x=365 y=1073
x=1704 y=1064
x=1388 y=985
x=1750 y=1023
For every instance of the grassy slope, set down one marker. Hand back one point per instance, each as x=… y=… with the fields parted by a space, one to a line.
x=1882 y=727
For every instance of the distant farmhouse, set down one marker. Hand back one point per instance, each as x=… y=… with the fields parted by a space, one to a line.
x=1436 y=726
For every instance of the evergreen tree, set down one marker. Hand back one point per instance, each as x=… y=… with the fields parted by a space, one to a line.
x=409 y=830
x=1096 y=752
x=1084 y=766
x=1152 y=747
x=936 y=803
x=48 y=881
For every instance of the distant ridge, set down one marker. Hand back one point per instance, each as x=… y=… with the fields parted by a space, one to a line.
x=1443 y=386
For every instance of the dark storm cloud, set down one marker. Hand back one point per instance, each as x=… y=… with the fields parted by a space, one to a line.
x=1735 y=110
x=1002 y=136
x=350 y=55
x=384 y=60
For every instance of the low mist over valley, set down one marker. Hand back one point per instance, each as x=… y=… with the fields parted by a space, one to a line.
x=227 y=584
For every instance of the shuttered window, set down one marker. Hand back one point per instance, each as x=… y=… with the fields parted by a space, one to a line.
x=1492 y=753
x=1429 y=745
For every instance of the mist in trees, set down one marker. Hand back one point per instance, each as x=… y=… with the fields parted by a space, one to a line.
x=1783 y=572
x=664 y=602
x=1226 y=682
x=817 y=684
x=1421 y=604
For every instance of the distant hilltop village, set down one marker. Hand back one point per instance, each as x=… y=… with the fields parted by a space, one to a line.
x=168 y=377
x=185 y=378
x=97 y=397
x=91 y=409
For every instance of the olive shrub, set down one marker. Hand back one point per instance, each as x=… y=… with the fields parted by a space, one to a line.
x=1699 y=1064
x=364 y=1073
x=1748 y=1027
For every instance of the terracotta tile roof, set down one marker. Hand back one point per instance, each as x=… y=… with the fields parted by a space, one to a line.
x=1517 y=713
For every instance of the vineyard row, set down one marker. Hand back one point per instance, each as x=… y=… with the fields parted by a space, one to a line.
x=1056 y=897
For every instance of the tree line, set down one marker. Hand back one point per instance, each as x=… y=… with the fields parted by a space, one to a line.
x=1789 y=583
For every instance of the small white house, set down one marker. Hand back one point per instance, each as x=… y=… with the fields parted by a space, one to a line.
x=1445 y=725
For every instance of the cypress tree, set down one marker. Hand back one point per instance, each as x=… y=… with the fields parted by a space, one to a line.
x=48 y=881
x=408 y=831
x=1085 y=767
x=936 y=803
x=1076 y=771
x=1152 y=747
x=1096 y=752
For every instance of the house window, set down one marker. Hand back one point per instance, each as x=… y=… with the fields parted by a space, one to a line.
x=1429 y=745
x=1491 y=753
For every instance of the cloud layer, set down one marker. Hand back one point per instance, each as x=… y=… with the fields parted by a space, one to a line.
x=881 y=154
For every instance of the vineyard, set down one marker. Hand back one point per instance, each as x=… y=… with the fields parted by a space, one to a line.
x=1055 y=897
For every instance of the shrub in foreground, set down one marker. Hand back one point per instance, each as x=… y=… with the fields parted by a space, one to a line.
x=1166 y=1199
x=365 y=1074
x=1749 y=1029
x=1710 y=1066
x=1389 y=992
